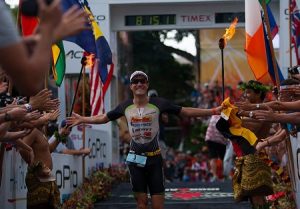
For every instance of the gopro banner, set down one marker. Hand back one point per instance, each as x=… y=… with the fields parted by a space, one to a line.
x=97 y=141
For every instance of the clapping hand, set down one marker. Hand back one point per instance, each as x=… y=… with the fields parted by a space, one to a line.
x=41 y=99
x=17 y=113
x=245 y=106
x=32 y=116
x=73 y=21
x=50 y=116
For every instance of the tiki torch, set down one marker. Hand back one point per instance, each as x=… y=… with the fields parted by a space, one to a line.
x=86 y=61
x=222 y=44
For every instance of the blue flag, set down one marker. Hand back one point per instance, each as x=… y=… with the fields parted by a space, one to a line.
x=93 y=41
x=273 y=24
x=274 y=31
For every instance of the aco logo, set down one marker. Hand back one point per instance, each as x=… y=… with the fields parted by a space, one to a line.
x=72 y=54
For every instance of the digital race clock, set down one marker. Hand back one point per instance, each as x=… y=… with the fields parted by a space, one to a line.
x=140 y=20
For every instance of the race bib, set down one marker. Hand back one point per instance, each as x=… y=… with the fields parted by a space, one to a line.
x=139 y=160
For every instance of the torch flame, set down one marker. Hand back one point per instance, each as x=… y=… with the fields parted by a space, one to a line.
x=90 y=60
x=231 y=30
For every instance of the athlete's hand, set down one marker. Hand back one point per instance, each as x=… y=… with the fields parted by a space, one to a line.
x=219 y=109
x=74 y=120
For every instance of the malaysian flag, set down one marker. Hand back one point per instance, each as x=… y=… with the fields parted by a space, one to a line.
x=295 y=24
x=96 y=94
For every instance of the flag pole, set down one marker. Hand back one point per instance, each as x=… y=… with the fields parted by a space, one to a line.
x=83 y=63
x=83 y=114
x=288 y=144
x=290 y=34
x=266 y=18
x=222 y=46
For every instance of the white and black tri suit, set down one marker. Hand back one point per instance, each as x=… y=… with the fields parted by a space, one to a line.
x=143 y=125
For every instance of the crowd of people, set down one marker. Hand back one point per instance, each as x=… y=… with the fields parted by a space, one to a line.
x=258 y=138
x=25 y=62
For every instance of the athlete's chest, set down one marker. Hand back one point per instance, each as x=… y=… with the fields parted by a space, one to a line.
x=147 y=114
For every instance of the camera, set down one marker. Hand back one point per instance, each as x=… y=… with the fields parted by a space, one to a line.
x=30 y=7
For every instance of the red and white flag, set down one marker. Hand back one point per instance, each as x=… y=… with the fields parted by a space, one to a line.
x=96 y=95
x=295 y=26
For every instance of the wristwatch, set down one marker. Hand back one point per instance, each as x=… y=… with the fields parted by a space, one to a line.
x=28 y=107
x=251 y=114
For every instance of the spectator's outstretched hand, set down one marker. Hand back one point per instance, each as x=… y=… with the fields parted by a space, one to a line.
x=12 y=136
x=50 y=15
x=17 y=114
x=64 y=131
x=73 y=21
x=51 y=105
x=279 y=136
x=74 y=120
x=265 y=115
x=85 y=151
x=40 y=100
x=26 y=125
x=50 y=116
x=32 y=115
x=244 y=106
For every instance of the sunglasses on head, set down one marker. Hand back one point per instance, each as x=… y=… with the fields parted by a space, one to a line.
x=136 y=81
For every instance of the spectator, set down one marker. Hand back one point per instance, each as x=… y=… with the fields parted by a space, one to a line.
x=34 y=53
x=216 y=144
x=66 y=146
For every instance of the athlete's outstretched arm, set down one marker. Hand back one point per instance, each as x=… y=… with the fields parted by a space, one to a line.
x=198 y=112
x=76 y=119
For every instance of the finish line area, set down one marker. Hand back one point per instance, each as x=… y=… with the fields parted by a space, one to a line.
x=217 y=195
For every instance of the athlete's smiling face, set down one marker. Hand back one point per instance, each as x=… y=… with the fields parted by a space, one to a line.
x=139 y=85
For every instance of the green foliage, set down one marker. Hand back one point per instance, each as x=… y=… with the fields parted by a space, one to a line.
x=179 y=35
x=171 y=79
x=256 y=86
x=96 y=188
